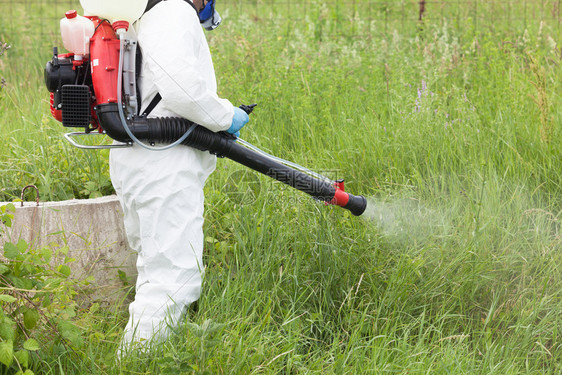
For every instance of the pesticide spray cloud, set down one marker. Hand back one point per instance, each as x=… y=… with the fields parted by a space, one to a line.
x=406 y=219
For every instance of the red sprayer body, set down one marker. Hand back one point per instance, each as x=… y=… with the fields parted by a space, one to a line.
x=104 y=62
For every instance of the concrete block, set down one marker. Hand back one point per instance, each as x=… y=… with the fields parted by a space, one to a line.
x=94 y=233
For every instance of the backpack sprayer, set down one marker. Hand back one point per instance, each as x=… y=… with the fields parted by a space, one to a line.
x=94 y=87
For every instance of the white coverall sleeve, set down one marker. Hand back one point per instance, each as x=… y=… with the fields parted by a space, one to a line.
x=173 y=45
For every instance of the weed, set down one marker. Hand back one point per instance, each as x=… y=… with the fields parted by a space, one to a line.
x=541 y=99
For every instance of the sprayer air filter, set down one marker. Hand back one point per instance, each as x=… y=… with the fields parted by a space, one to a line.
x=75 y=100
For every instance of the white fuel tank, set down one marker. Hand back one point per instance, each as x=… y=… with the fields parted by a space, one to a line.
x=76 y=32
x=115 y=10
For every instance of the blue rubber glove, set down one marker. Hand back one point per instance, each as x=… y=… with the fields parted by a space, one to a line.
x=239 y=119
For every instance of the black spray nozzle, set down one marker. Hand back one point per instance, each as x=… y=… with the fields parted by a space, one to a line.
x=248 y=108
x=357 y=204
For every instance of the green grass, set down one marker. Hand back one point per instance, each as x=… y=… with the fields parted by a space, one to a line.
x=456 y=266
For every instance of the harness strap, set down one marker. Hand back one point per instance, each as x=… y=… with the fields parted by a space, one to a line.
x=138 y=66
x=152 y=3
x=153 y=103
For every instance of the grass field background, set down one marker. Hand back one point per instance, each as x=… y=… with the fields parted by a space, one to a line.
x=451 y=127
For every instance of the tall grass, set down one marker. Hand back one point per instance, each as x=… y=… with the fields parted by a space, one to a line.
x=456 y=266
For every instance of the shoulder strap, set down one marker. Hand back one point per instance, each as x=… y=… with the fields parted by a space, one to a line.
x=138 y=67
x=193 y=6
x=152 y=3
x=153 y=103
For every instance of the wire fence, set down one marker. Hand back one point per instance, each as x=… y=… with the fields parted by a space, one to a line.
x=354 y=18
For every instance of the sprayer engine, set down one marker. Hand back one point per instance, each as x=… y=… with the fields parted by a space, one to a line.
x=80 y=84
x=71 y=91
x=95 y=89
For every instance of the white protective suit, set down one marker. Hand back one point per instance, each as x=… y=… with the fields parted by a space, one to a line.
x=161 y=192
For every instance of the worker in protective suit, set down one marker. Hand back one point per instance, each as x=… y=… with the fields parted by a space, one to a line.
x=161 y=192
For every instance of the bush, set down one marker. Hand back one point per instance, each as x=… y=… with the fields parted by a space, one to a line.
x=37 y=299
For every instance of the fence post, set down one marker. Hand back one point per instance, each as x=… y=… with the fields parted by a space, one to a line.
x=386 y=19
x=525 y=13
x=458 y=17
x=475 y=17
x=422 y=9
x=509 y=15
